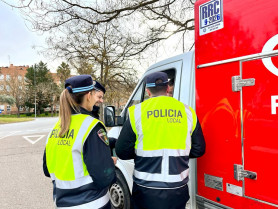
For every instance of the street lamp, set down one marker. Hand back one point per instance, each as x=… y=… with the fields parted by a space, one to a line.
x=35 y=91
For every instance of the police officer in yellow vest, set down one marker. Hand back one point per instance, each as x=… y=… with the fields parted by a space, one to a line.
x=77 y=155
x=161 y=134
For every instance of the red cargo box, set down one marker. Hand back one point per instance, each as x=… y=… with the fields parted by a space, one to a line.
x=237 y=101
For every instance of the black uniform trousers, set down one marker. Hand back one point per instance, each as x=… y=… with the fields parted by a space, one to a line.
x=145 y=198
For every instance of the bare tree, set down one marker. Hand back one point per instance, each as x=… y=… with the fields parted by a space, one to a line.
x=83 y=66
x=96 y=51
x=52 y=92
x=119 y=95
x=7 y=99
x=145 y=22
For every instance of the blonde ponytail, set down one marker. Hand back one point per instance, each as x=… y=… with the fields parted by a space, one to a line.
x=67 y=104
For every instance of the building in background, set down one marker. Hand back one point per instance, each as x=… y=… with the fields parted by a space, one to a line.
x=6 y=75
x=14 y=77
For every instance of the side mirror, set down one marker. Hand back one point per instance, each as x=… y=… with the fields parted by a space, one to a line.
x=120 y=120
x=109 y=116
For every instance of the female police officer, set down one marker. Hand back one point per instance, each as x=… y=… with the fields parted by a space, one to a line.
x=77 y=155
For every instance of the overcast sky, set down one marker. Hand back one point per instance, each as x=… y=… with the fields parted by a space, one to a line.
x=17 y=41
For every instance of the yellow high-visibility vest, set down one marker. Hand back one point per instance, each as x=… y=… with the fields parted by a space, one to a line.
x=64 y=157
x=163 y=128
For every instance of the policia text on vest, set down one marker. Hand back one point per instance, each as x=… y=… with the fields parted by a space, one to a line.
x=65 y=140
x=173 y=116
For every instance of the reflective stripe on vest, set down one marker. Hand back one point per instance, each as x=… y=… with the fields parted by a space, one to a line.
x=64 y=156
x=71 y=184
x=163 y=128
x=99 y=203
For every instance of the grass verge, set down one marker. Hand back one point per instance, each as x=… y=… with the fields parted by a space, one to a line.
x=29 y=115
x=14 y=120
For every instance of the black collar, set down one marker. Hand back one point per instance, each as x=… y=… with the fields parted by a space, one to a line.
x=86 y=112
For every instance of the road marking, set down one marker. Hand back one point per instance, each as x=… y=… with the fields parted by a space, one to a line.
x=33 y=141
x=24 y=132
x=10 y=134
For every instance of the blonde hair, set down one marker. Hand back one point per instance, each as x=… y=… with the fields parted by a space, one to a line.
x=67 y=103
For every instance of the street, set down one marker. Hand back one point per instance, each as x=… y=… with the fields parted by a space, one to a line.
x=23 y=184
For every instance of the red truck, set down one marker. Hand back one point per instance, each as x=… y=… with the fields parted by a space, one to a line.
x=232 y=80
x=236 y=102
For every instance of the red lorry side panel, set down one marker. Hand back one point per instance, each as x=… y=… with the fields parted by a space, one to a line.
x=260 y=132
x=248 y=26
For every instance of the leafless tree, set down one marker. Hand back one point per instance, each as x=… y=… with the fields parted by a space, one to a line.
x=83 y=66
x=145 y=22
x=119 y=95
x=96 y=51
x=100 y=53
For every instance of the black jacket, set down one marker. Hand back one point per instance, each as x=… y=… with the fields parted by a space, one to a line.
x=95 y=112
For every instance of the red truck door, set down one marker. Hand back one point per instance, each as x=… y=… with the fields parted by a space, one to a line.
x=260 y=130
x=237 y=38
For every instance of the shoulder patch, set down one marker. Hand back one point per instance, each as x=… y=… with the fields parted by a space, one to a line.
x=103 y=136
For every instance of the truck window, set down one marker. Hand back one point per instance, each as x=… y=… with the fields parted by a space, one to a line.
x=146 y=96
x=171 y=85
x=137 y=98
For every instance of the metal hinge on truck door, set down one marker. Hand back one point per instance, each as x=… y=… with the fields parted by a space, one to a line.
x=240 y=174
x=238 y=82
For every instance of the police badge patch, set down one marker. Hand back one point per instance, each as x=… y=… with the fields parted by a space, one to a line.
x=103 y=136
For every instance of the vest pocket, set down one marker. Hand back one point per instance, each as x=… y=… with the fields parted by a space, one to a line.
x=148 y=164
x=178 y=164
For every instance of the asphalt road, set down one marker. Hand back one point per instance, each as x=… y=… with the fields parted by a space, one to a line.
x=22 y=182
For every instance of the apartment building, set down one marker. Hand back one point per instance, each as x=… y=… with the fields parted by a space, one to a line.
x=11 y=77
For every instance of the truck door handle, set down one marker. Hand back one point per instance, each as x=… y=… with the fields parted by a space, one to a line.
x=250 y=175
x=240 y=173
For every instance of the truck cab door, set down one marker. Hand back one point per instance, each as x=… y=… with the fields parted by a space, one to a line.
x=173 y=70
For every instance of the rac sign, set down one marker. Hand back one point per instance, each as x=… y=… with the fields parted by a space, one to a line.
x=269 y=46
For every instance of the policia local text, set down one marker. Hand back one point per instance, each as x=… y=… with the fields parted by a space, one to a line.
x=67 y=136
x=174 y=114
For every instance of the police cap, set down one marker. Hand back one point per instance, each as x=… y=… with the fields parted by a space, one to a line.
x=153 y=77
x=98 y=87
x=79 y=83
